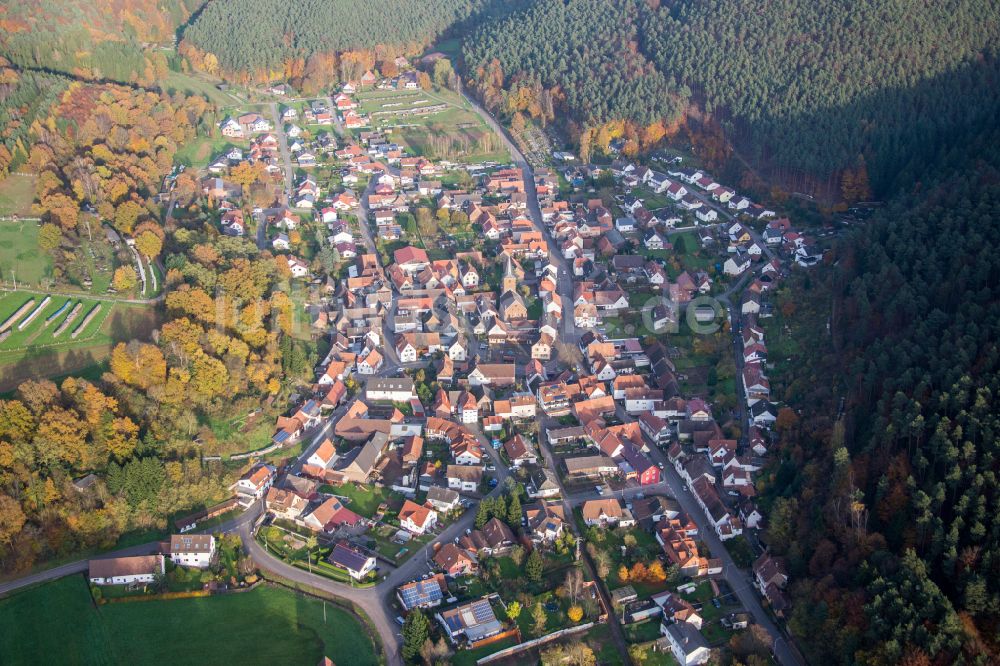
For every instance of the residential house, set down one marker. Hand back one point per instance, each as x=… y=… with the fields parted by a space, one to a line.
x=545 y=521
x=254 y=484
x=324 y=456
x=474 y=621
x=493 y=374
x=606 y=512
x=464 y=478
x=425 y=593
x=285 y=504
x=329 y=516
x=352 y=560
x=686 y=643
x=443 y=500
x=455 y=561
x=737 y=263
x=543 y=483
x=192 y=550
x=771 y=577
x=357 y=465
x=126 y=570
x=390 y=389
x=413 y=447
x=417 y=518
x=519 y=452
x=676 y=609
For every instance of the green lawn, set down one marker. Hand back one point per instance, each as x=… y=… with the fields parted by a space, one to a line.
x=35 y=352
x=600 y=640
x=201 y=150
x=194 y=85
x=16 y=194
x=454 y=132
x=642 y=632
x=35 y=336
x=715 y=633
x=19 y=254
x=654 y=658
x=739 y=549
x=365 y=499
x=57 y=623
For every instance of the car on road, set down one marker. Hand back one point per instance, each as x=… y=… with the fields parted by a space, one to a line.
x=599 y=489
x=491 y=468
x=685 y=487
x=400 y=620
x=660 y=465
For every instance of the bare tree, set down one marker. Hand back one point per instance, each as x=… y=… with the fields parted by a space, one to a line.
x=569 y=353
x=574 y=584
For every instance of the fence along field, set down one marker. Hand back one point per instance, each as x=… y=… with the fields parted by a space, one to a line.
x=37 y=322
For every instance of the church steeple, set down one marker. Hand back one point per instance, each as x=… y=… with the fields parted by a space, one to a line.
x=509 y=277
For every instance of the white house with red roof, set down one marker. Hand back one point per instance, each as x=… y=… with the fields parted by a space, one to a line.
x=417 y=518
x=324 y=456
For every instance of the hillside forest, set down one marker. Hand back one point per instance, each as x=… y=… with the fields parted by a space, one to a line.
x=108 y=40
x=218 y=352
x=887 y=515
x=805 y=91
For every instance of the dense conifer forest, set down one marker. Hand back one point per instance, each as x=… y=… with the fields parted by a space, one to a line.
x=887 y=514
x=803 y=88
x=260 y=37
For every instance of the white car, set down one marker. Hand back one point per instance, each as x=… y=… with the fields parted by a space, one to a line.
x=600 y=490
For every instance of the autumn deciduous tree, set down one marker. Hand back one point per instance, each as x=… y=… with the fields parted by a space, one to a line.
x=125 y=278
x=575 y=613
x=49 y=237
x=126 y=215
x=12 y=518
x=138 y=363
x=148 y=244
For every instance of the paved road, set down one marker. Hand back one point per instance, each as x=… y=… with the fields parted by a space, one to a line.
x=564 y=284
x=367 y=599
x=286 y=155
x=738 y=579
x=338 y=126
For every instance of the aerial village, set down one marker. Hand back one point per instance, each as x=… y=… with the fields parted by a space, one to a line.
x=522 y=376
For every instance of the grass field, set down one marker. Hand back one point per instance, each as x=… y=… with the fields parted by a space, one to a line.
x=200 y=151
x=16 y=194
x=194 y=85
x=57 y=624
x=365 y=499
x=19 y=252
x=35 y=352
x=455 y=132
